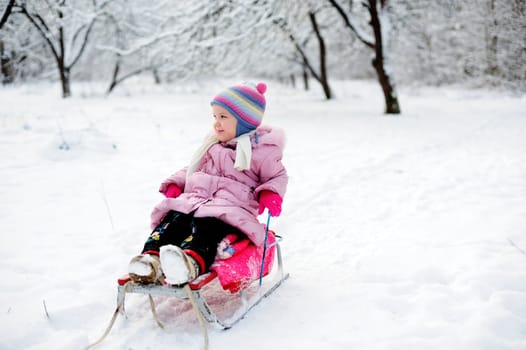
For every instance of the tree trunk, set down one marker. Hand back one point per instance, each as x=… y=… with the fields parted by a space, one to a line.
x=7 y=70
x=113 y=82
x=64 y=71
x=391 y=99
x=65 y=82
x=323 y=77
x=491 y=38
x=305 y=78
x=156 y=77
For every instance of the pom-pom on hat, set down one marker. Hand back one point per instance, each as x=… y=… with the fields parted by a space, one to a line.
x=246 y=102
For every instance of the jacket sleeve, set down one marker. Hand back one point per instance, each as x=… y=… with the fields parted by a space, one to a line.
x=178 y=178
x=272 y=174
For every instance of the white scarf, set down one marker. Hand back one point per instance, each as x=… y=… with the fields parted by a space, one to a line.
x=243 y=152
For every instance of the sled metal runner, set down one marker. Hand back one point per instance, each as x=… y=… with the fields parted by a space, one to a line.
x=193 y=292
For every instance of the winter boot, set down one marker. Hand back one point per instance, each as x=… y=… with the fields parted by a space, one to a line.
x=146 y=269
x=179 y=268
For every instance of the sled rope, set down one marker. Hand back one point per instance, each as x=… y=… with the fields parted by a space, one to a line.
x=154 y=312
x=198 y=313
x=113 y=318
x=191 y=297
x=264 y=251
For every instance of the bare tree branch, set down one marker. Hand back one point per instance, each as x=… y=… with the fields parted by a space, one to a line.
x=7 y=12
x=42 y=30
x=84 y=42
x=349 y=24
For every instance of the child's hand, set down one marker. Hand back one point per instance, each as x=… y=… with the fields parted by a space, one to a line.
x=172 y=191
x=270 y=200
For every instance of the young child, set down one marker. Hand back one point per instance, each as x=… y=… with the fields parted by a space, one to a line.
x=232 y=178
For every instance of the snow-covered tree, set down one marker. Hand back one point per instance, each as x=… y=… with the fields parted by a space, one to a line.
x=22 y=51
x=143 y=36
x=301 y=26
x=478 y=42
x=65 y=27
x=375 y=38
x=177 y=40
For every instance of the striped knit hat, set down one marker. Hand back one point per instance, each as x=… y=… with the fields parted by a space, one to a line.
x=245 y=102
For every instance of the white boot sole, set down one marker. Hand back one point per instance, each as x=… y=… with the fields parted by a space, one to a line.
x=174 y=265
x=145 y=269
x=140 y=268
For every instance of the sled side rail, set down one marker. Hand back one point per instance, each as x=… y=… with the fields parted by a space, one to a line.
x=192 y=292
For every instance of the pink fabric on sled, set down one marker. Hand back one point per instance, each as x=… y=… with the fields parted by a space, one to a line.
x=242 y=264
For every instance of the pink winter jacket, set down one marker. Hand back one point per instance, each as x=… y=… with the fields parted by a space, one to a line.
x=218 y=190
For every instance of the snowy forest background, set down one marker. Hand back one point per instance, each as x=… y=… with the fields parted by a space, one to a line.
x=432 y=42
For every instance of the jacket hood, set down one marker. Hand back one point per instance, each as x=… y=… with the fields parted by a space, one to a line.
x=267 y=135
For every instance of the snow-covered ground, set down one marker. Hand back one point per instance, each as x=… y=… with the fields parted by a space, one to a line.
x=401 y=232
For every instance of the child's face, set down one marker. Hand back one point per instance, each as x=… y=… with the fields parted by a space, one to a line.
x=225 y=124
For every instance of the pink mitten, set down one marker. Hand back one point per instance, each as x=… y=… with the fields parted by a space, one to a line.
x=172 y=191
x=270 y=200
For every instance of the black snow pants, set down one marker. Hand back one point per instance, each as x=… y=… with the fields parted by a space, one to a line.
x=197 y=236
